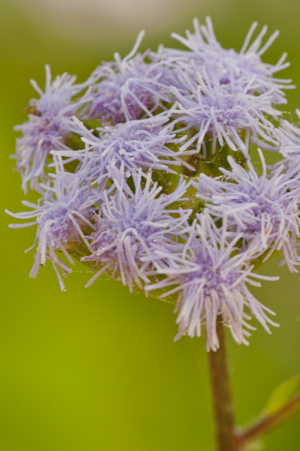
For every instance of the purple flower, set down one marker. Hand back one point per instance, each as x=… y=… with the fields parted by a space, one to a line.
x=63 y=215
x=229 y=65
x=130 y=222
x=145 y=143
x=222 y=111
x=47 y=126
x=105 y=156
x=264 y=209
x=129 y=88
x=211 y=281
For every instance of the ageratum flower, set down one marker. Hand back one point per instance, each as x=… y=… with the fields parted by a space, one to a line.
x=145 y=143
x=130 y=222
x=63 y=216
x=128 y=88
x=149 y=113
x=224 y=113
x=263 y=209
x=47 y=126
x=230 y=65
x=211 y=281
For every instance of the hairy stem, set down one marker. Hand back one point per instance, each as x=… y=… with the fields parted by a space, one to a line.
x=222 y=401
x=268 y=423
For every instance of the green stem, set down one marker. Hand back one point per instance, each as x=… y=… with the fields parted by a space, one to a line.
x=268 y=423
x=222 y=401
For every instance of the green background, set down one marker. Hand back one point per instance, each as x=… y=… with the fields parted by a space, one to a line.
x=96 y=369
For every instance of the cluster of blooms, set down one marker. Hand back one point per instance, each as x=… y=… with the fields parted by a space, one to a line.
x=145 y=174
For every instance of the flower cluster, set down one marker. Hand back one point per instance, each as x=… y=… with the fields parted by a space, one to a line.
x=146 y=173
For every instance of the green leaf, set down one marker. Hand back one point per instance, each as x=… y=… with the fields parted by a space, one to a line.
x=282 y=395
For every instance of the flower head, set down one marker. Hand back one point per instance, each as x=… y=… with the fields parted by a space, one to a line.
x=46 y=127
x=63 y=215
x=211 y=281
x=129 y=162
x=231 y=66
x=223 y=112
x=128 y=88
x=130 y=222
x=264 y=209
x=145 y=143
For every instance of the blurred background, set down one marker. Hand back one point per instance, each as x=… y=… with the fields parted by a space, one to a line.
x=97 y=369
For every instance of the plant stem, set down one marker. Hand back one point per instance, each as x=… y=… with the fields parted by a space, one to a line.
x=268 y=423
x=223 y=406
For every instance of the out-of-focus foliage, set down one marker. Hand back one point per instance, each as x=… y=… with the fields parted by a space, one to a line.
x=97 y=369
x=282 y=394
